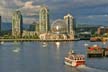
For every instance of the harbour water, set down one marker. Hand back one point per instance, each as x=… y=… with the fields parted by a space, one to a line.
x=34 y=57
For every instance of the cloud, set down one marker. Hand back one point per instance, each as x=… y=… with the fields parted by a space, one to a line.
x=90 y=9
x=104 y=16
x=29 y=9
x=28 y=20
x=93 y=19
x=6 y=14
x=29 y=4
x=18 y=2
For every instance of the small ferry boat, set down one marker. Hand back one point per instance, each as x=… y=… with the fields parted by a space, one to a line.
x=74 y=60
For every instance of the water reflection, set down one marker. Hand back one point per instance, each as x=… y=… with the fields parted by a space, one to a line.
x=57 y=44
x=71 y=46
x=16 y=47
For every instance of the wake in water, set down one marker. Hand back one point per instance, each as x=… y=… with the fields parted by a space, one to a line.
x=84 y=68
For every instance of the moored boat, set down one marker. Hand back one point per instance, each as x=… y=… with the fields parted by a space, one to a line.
x=95 y=39
x=74 y=59
x=95 y=51
x=106 y=52
x=2 y=42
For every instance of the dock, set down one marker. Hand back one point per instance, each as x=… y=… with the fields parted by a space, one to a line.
x=95 y=54
x=102 y=53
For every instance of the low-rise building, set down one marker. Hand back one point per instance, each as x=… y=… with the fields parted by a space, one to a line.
x=102 y=30
x=29 y=33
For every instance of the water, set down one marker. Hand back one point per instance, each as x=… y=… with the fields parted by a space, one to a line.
x=33 y=57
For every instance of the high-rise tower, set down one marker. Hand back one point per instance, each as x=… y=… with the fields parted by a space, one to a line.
x=69 y=20
x=43 y=20
x=17 y=23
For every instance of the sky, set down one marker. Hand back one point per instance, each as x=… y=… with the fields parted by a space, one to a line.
x=84 y=11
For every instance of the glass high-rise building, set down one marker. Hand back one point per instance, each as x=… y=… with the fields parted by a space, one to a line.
x=17 y=24
x=32 y=26
x=69 y=20
x=37 y=27
x=43 y=20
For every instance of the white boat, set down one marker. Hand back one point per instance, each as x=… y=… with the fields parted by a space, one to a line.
x=2 y=42
x=16 y=50
x=44 y=44
x=74 y=60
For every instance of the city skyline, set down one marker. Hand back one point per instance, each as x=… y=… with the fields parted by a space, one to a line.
x=84 y=11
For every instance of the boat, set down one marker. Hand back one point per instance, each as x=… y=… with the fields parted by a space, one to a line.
x=44 y=44
x=95 y=51
x=74 y=59
x=95 y=39
x=2 y=42
x=106 y=52
x=16 y=50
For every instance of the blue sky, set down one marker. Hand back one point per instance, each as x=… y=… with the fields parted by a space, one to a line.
x=84 y=11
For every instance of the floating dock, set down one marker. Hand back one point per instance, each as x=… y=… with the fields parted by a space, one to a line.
x=96 y=51
x=102 y=52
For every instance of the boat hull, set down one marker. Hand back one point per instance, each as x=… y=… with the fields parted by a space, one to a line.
x=75 y=64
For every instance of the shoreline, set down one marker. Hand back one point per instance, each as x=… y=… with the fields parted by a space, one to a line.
x=39 y=40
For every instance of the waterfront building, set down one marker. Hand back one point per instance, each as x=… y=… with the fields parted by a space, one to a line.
x=58 y=32
x=43 y=20
x=59 y=27
x=17 y=23
x=69 y=20
x=102 y=30
x=70 y=24
x=37 y=27
x=29 y=34
x=85 y=35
